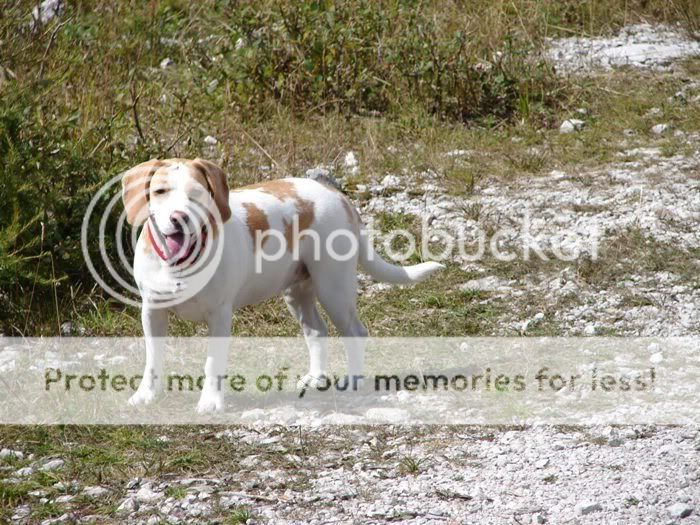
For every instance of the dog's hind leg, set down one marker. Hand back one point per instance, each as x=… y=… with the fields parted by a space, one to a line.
x=301 y=301
x=337 y=293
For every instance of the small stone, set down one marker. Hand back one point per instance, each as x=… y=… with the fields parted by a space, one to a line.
x=485 y=284
x=66 y=328
x=95 y=492
x=7 y=453
x=52 y=464
x=571 y=125
x=133 y=483
x=128 y=506
x=210 y=141
x=590 y=329
x=146 y=495
x=538 y=519
x=587 y=507
x=24 y=472
x=166 y=63
x=390 y=182
x=361 y=188
x=660 y=129
x=211 y=87
x=680 y=510
x=656 y=358
x=66 y=498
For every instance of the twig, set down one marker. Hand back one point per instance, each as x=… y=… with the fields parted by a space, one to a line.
x=134 y=109
x=52 y=38
x=265 y=152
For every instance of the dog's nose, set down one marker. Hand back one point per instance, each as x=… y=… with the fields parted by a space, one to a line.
x=179 y=219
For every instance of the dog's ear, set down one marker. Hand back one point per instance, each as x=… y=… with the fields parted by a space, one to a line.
x=218 y=186
x=135 y=183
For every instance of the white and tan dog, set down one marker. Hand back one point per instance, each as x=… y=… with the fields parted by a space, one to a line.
x=295 y=237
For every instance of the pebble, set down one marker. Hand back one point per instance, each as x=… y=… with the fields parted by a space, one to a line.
x=7 y=453
x=128 y=506
x=587 y=507
x=680 y=510
x=660 y=129
x=210 y=141
x=485 y=284
x=166 y=63
x=146 y=495
x=95 y=492
x=52 y=464
x=571 y=125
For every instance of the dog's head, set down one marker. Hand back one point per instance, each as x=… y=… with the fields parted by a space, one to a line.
x=180 y=196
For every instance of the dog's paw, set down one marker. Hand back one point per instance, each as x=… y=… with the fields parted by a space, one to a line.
x=210 y=403
x=143 y=396
x=310 y=381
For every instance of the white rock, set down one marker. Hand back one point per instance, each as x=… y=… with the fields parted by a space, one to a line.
x=24 y=472
x=659 y=129
x=210 y=141
x=6 y=453
x=65 y=498
x=485 y=284
x=680 y=510
x=571 y=125
x=46 y=11
x=587 y=507
x=590 y=329
x=166 y=63
x=95 y=492
x=52 y=464
x=128 y=506
x=390 y=182
x=146 y=495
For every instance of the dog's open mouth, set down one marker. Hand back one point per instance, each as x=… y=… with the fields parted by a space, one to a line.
x=180 y=244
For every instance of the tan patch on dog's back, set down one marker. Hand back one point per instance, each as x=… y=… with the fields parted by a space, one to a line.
x=281 y=189
x=256 y=220
x=306 y=214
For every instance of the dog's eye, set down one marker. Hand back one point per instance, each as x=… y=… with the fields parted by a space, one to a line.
x=161 y=191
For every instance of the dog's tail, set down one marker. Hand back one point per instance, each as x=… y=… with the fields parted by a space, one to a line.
x=392 y=273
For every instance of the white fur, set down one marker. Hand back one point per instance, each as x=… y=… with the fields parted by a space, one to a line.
x=235 y=282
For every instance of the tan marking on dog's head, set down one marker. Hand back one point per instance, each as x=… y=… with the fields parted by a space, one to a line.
x=256 y=220
x=135 y=188
x=217 y=184
x=305 y=213
x=145 y=241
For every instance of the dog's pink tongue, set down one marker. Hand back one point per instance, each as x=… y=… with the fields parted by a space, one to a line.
x=175 y=243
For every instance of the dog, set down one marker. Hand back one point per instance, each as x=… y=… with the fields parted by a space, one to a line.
x=294 y=236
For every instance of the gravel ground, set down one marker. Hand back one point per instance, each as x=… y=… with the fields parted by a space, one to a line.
x=642 y=46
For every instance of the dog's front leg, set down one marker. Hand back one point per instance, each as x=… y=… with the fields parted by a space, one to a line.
x=212 y=398
x=155 y=329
